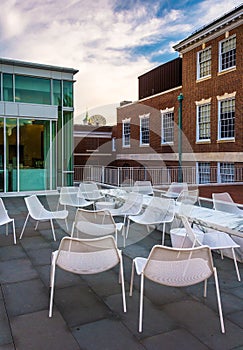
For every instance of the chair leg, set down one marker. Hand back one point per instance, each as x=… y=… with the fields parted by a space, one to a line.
x=6 y=229
x=37 y=223
x=205 y=288
x=14 y=233
x=52 y=228
x=219 y=300
x=52 y=282
x=163 y=234
x=128 y=225
x=24 y=226
x=140 y=326
x=122 y=284
x=132 y=279
x=66 y=222
x=236 y=265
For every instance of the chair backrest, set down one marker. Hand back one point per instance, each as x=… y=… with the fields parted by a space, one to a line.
x=195 y=239
x=89 y=190
x=34 y=206
x=93 y=222
x=176 y=188
x=143 y=187
x=186 y=200
x=3 y=212
x=87 y=256
x=159 y=210
x=224 y=202
x=68 y=195
x=178 y=267
x=133 y=204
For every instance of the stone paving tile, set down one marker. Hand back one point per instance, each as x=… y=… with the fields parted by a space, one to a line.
x=11 y=252
x=7 y=347
x=79 y=305
x=204 y=324
x=237 y=318
x=178 y=339
x=36 y=331
x=40 y=256
x=16 y=270
x=105 y=334
x=5 y=332
x=36 y=242
x=25 y=297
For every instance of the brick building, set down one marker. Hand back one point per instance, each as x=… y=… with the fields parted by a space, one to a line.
x=202 y=90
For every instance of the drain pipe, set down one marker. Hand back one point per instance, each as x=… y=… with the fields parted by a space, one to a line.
x=180 y=175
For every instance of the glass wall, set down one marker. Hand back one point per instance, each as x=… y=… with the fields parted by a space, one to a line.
x=11 y=154
x=57 y=92
x=8 y=87
x=32 y=90
x=1 y=155
x=67 y=93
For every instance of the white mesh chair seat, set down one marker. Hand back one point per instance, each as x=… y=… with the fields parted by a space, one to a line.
x=94 y=223
x=216 y=240
x=86 y=256
x=159 y=211
x=143 y=187
x=175 y=189
x=5 y=219
x=176 y=268
x=224 y=202
x=89 y=191
x=69 y=197
x=37 y=212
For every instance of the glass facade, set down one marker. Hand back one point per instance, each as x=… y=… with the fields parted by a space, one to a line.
x=67 y=93
x=32 y=90
x=8 y=87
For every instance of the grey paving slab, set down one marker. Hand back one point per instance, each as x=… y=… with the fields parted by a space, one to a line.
x=237 y=318
x=25 y=297
x=204 y=324
x=16 y=270
x=178 y=339
x=79 y=305
x=40 y=256
x=35 y=331
x=11 y=252
x=35 y=242
x=5 y=331
x=7 y=347
x=105 y=334
x=155 y=319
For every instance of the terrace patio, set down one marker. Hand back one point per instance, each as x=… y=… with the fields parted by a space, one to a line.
x=88 y=309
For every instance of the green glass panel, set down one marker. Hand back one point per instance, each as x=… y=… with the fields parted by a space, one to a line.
x=54 y=157
x=8 y=87
x=34 y=141
x=32 y=90
x=11 y=155
x=57 y=93
x=68 y=147
x=1 y=155
x=67 y=93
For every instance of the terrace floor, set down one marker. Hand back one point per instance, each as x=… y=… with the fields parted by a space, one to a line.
x=87 y=310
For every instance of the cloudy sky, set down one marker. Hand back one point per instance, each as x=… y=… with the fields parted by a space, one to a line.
x=110 y=42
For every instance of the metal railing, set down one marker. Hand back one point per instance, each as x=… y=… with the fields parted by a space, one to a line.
x=124 y=176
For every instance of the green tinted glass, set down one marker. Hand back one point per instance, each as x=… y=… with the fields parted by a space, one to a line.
x=67 y=93
x=8 y=87
x=57 y=93
x=32 y=90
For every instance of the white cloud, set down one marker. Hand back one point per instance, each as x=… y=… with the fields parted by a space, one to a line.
x=92 y=37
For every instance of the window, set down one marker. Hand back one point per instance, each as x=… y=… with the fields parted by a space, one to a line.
x=67 y=93
x=203 y=172
x=56 y=92
x=226 y=172
x=144 y=129
x=204 y=63
x=203 y=122
x=227 y=53
x=226 y=119
x=113 y=144
x=126 y=133
x=32 y=90
x=167 y=126
x=8 y=87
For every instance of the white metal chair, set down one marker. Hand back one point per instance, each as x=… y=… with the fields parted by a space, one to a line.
x=69 y=197
x=132 y=205
x=216 y=240
x=224 y=202
x=5 y=219
x=159 y=211
x=94 y=223
x=176 y=268
x=86 y=256
x=175 y=189
x=89 y=191
x=143 y=187
x=37 y=212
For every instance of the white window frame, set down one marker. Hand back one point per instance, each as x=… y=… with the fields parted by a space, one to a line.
x=199 y=106
x=126 y=137
x=203 y=62
x=143 y=118
x=227 y=174
x=167 y=113
x=220 y=54
x=113 y=144
x=220 y=102
x=205 y=174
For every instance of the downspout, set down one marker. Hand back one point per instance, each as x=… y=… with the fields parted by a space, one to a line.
x=180 y=175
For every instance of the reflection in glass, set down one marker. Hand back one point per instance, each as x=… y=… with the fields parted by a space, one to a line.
x=32 y=90
x=1 y=154
x=8 y=87
x=11 y=154
x=67 y=93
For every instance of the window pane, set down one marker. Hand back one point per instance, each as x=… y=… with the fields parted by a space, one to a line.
x=126 y=134
x=227 y=119
x=205 y=63
x=68 y=93
x=204 y=122
x=2 y=155
x=144 y=131
x=32 y=90
x=204 y=172
x=228 y=53
x=227 y=172
x=8 y=87
x=11 y=154
x=57 y=93
x=168 y=127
